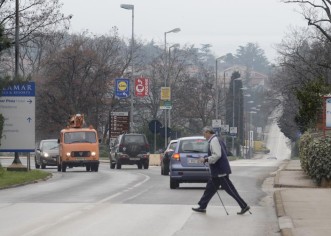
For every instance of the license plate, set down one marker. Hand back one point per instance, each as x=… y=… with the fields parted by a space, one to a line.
x=134 y=159
x=193 y=161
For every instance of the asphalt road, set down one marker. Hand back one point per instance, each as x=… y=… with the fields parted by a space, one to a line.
x=136 y=202
x=84 y=203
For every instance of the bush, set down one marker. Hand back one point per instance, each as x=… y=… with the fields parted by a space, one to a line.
x=314 y=153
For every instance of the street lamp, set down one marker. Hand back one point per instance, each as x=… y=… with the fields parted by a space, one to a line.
x=131 y=7
x=216 y=85
x=175 y=30
x=251 y=138
x=233 y=98
x=173 y=46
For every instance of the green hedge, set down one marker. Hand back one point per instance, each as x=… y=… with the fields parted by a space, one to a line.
x=315 y=158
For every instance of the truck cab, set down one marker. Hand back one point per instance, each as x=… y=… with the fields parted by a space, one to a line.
x=78 y=147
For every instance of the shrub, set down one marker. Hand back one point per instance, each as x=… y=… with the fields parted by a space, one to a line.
x=315 y=156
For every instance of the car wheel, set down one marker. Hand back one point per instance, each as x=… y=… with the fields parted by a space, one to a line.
x=140 y=165
x=174 y=184
x=118 y=165
x=36 y=163
x=63 y=167
x=146 y=164
x=96 y=167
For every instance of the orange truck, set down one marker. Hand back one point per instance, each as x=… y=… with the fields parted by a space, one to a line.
x=78 y=146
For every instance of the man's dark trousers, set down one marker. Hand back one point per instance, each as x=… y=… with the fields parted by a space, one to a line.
x=212 y=186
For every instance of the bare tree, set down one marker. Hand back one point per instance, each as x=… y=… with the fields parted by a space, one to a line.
x=317 y=13
x=36 y=17
x=79 y=79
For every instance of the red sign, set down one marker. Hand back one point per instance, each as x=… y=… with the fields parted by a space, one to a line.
x=141 y=87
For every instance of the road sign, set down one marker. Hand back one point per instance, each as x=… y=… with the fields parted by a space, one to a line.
x=122 y=88
x=119 y=123
x=141 y=87
x=233 y=131
x=165 y=93
x=154 y=126
x=216 y=123
x=17 y=105
x=225 y=128
x=165 y=104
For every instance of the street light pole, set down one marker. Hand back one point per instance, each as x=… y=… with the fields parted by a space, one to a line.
x=175 y=30
x=131 y=7
x=173 y=46
x=233 y=98
x=251 y=137
x=216 y=85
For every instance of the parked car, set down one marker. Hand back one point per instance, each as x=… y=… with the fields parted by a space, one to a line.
x=129 y=149
x=184 y=165
x=165 y=157
x=46 y=153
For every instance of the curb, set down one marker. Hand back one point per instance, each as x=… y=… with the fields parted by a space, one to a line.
x=280 y=211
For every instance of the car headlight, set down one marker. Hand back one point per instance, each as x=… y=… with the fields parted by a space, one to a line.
x=68 y=154
x=93 y=154
x=46 y=154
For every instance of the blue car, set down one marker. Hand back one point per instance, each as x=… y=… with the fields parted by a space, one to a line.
x=184 y=164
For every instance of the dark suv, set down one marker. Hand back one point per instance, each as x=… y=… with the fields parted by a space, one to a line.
x=129 y=149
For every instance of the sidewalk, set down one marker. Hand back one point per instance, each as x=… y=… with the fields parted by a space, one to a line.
x=303 y=209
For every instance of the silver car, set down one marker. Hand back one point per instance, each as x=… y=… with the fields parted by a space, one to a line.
x=46 y=153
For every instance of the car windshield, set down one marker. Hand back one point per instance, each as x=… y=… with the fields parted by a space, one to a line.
x=80 y=137
x=136 y=139
x=49 y=145
x=193 y=145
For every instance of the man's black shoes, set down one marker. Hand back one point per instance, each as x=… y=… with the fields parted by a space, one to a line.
x=244 y=210
x=199 y=209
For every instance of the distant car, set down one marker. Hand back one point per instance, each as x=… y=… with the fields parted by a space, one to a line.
x=165 y=157
x=184 y=165
x=129 y=149
x=46 y=153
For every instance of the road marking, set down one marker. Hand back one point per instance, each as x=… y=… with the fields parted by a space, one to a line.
x=125 y=190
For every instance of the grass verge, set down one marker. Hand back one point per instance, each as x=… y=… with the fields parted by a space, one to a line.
x=12 y=178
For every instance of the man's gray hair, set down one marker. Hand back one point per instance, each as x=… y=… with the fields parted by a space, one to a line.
x=208 y=129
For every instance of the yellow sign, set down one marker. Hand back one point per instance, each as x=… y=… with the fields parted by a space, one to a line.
x=122 y=86
x=165 y=93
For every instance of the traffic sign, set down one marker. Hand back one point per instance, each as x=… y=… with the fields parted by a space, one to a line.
x=119 y=123
x=225 y=128
x=216 y=123
x=122 y=88
x=233 y=131
x=154 y=126
x=165 y=93
x=165 y=104
x=17 y=104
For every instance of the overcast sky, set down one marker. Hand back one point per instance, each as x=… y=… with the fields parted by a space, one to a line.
x=224 y=24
